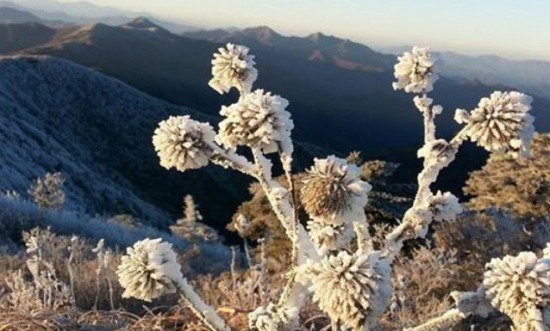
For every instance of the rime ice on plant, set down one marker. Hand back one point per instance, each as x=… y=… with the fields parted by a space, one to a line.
x=445 y=206
x=333 y=188
x=519 y=286
x=259 y=120
x=190 y=227
x=414 y=71
x=233 y=67
x=501 y=123
x=269 y=318
x=183 y=143
x=47 y=191
x=149 y=270
x=334 y=196
x=352 y=288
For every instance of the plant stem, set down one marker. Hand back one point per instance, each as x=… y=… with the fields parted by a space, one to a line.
x=204 y=312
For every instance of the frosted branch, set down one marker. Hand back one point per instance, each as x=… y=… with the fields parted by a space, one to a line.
x=206 y=313
x=444 y=322
x=230 y=159
x=437 y=154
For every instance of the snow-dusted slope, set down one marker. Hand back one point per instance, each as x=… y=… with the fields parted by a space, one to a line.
x=59 y=116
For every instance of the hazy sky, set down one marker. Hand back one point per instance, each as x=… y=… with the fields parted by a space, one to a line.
x=512 y=28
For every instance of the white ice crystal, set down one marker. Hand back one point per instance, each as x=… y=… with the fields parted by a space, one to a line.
x=233 y=67
x=445 y=206
x=437 y=152
x=462 y=116
x=259 y=120
x=414 y=71
x=519 y=286
x=149 y=270
x=501 y=123
x=352 y=288
x=423 y=104
x=328 y=236
x=270 y=318
x=183 y=143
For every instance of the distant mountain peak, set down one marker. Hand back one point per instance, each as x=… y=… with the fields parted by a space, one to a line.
x=12 y=15
x=262 y=33
x=318 y=36
x=144 y=23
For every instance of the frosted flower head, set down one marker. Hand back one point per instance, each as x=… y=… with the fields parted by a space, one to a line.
x=445 y=206
x=149 y=270
x=518 y=286
x=501 y=123
x=333 y=187
x=233 y=67
x=414 y=71
x=183 y=143
x=259 y=120
x=354 y=289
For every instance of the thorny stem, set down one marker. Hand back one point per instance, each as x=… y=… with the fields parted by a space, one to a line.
x=70 y=268
x=285 y=217
x=295 y=231
x=263 y=273
x=229 y=159
x=428 y=175
x=287 y=167
x=443 y=322
x=204 y=312
x=294 y=222
x=429 y=125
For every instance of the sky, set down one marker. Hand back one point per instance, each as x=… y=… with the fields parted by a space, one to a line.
x=517 y=29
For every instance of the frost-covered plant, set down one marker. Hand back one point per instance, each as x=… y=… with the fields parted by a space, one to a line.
x=233 y=67
x=190 y=226
x=47 y=191
x=104 y=256
x=259 y=120
x=183 y=143
x=48 y=291
x=150 y=270
x=352 y=288
x=334 y=196
x=501 y=123
x=415 y=71
x=519 y=286
x=349 y=280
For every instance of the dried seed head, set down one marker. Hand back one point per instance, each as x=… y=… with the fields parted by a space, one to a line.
x=333 y=187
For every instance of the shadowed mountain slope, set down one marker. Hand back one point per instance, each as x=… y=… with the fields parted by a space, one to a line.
x=58 y=116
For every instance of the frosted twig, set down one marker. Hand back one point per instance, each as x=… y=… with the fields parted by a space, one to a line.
x=229 y=159
x=444 y=322
x=206 y=313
